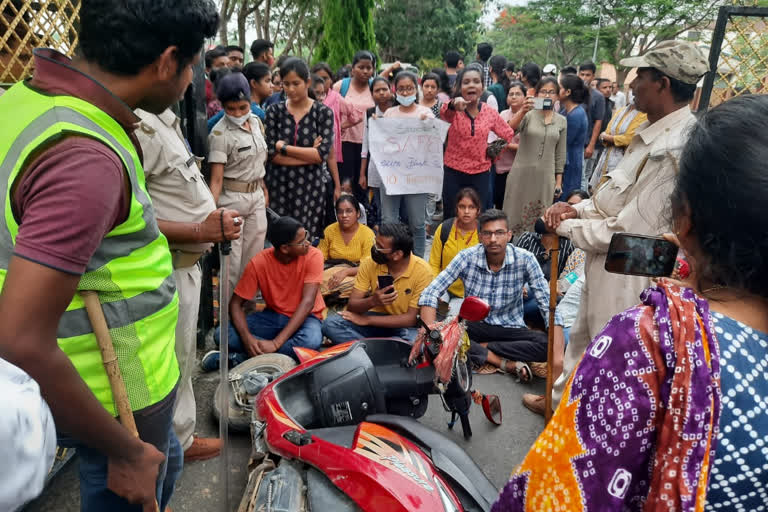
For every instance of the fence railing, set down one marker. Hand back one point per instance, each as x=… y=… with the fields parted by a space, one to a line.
x=26 y=25
x=738 y=56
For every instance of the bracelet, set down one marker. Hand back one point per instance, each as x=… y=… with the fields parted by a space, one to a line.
x=275 y=345
x=284 y=150
x=196 y=230
x=221 y=220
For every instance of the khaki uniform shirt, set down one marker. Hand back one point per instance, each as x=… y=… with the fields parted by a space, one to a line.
x=243 y=152
x=176 y=186
x=633 y=198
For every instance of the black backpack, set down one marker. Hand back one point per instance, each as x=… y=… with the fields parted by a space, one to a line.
x=445 y=230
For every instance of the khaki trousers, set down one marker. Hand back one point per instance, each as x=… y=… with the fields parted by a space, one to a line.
x=251 y=207
x=188 y=282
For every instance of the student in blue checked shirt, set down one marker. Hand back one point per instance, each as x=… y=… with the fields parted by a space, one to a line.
x=496 y=272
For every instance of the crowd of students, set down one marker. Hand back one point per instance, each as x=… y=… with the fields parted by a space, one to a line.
x=502 y=155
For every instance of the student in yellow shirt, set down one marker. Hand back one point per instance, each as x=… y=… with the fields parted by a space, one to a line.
x=452 y=236
x=385 y=299
x=344 y=244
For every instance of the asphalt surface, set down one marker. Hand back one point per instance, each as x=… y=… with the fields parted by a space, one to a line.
x=497 y=450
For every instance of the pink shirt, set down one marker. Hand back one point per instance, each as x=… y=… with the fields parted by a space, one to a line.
x=468 y=138
x=417 y=112
x=507 y=157
x=360 y=101
x=341 y=110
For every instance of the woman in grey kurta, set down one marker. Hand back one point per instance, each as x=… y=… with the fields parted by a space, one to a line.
x=538 y=168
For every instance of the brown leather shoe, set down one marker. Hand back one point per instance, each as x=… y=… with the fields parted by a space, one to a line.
x=534 y=403
x=202 y=449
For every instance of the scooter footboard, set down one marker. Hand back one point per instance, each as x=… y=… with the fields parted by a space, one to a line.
x=292 y=487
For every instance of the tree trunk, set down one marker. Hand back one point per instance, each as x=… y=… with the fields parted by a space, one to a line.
x=223 y=38
x=267 y=11
x=242 y=16
x=259 y=32
x=291 y=38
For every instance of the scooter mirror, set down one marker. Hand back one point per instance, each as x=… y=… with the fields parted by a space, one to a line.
x=474 y=309
x=492 y=408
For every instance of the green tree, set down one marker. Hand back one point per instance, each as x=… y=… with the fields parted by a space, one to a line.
x=347 y=26
x=566 y=29
x=421 y=31
x=642 y=24
x=559 y=32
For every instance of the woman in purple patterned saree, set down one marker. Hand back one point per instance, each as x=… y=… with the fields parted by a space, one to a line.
x=668 y=408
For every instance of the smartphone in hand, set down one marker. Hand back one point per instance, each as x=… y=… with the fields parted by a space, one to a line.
x=385 y=281
x=641 y=255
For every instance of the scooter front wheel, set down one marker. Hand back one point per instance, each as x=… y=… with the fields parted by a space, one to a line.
x=272 y=365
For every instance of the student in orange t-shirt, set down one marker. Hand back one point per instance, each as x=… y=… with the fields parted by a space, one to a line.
x=289 y=276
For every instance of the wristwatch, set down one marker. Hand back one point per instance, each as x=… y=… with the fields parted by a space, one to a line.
x=284 y=150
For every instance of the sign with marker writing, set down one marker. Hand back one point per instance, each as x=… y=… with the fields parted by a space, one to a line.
x=408 y=154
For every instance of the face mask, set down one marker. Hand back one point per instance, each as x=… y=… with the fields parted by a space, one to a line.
x=406 y=101
x=239 y=121
x=378 y=257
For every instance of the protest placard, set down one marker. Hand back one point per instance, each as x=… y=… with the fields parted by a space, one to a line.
x=408 y=154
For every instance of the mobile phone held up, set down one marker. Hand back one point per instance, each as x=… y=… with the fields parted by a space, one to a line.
x=542 y=103
x=640 y=255
x=385 y=281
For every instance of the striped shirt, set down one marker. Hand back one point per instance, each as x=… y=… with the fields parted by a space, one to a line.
x=502 y=290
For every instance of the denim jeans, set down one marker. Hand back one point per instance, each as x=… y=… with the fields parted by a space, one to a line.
x=156 y=428
x=267 y=324
x=339 y=330
x=416 y=208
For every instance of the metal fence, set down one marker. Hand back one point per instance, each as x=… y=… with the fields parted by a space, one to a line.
x=26 y=25
x=738 y=56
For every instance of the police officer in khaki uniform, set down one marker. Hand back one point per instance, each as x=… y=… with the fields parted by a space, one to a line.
x=187 y=216
x=237 y=154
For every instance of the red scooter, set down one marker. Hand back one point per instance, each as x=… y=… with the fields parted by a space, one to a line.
x=338 y=432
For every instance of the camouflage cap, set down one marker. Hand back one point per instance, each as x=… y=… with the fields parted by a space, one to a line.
x=678 y=59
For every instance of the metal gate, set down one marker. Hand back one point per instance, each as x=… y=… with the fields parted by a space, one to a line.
x=26 y=25
x=738 y=57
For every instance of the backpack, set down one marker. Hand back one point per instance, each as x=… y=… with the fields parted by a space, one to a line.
x=345 y=86
x=445 y=230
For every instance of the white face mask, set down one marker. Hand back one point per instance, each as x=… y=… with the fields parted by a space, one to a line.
x=406 y=101
x=239 y=121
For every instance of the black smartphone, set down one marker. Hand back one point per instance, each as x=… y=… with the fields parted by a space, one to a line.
x=385 y=281
x=641 y=255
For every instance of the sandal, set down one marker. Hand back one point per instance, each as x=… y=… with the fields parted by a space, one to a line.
x=486 y=369
x=523 y=372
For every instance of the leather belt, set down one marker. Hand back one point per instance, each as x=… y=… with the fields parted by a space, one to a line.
x=242 y=186
x=183 y=259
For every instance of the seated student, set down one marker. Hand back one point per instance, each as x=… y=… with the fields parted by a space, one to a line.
x=496 y=271
x=344 y=244
x=288 y=275
x=389 y=312
x=452 y=236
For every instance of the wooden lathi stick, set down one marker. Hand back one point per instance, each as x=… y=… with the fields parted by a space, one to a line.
x=109 y=359
x=552 y=243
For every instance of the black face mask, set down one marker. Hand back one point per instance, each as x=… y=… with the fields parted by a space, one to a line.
x=378 y=257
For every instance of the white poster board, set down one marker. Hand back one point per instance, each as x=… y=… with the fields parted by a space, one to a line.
x=408 y=154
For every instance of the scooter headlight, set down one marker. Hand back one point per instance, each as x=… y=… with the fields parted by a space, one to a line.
x=445 y=497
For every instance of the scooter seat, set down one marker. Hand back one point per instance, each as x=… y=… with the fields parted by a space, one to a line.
x=449 y=458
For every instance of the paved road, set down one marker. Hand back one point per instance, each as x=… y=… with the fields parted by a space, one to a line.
x=496 y=449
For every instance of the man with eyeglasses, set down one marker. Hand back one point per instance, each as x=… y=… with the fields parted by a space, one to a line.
x=385 y=299
x=496 y=272
x=288 y=275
